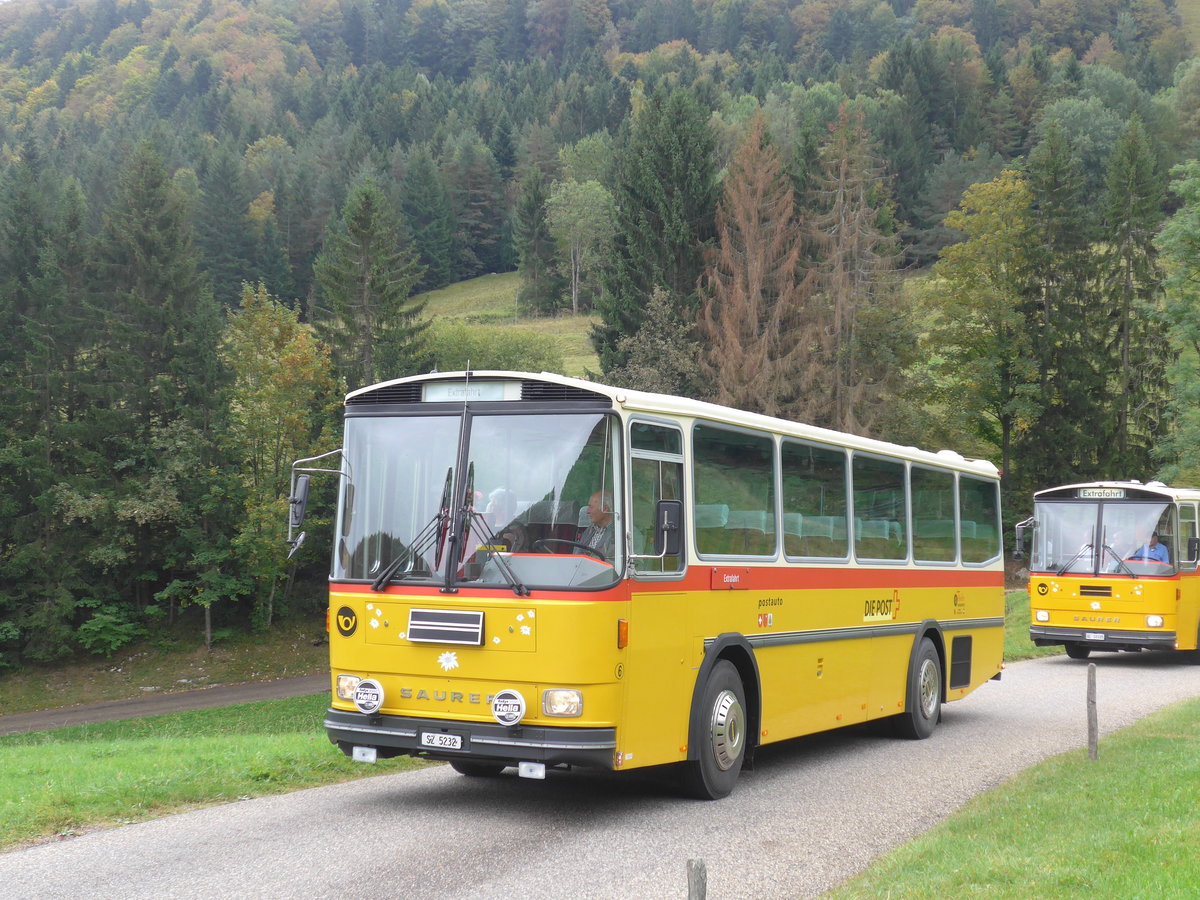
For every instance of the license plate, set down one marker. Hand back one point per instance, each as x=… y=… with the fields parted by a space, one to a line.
x=441 y=740
x=1093 y=636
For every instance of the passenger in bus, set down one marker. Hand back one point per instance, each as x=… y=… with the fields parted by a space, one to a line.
x=1152 y=551
x=516 y=536
x=600 y=535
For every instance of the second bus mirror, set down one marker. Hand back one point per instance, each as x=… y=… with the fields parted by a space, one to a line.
x=1193 y=549
x=668 y=528
x=299 y=500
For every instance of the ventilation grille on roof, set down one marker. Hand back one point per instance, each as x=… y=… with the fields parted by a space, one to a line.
x=412 y=392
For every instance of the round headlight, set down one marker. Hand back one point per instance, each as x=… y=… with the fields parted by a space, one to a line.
x=1154 y=621
x=1042 y=615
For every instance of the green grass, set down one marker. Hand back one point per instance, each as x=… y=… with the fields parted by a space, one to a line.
x=492 y=300
x=1125 y=825
x=70 y=780
x=1016 y=629
x=171 y=663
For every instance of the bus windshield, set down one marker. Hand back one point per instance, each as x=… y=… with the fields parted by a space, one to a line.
x=534 y=506
x=1090 y=538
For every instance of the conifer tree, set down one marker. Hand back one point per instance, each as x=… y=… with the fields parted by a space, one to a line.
x=366 y=274
x=1133 y=291
x=867 y=338
x=666 y=193
x=542 y=286
x=425 y=204
x=753 y=329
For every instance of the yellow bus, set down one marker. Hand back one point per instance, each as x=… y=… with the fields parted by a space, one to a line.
x=1113 y=567
x=535 y=571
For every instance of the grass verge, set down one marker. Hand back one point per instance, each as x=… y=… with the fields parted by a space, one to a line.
x=64 y=782
x=1122 y=826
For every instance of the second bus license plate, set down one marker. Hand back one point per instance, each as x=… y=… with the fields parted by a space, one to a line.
x=441 y=740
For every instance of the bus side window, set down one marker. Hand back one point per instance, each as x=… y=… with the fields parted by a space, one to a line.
x=656 y=473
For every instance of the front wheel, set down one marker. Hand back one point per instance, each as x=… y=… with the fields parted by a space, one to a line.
x=722 y=749
x=923 y=696
x=1078 y=651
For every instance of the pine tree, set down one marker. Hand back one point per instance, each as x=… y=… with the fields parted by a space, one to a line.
x=1133 y=212
x=1069 y=324
x=666 y=193
x=542 y=287
x=366 y=274
x=867 y=337
x=752 y=326
x=425 y=203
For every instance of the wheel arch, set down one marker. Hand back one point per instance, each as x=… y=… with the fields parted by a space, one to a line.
x=736 y=649
x=930 y=629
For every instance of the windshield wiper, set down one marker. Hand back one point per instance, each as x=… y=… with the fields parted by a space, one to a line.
x=1082 y=550
x=433 y=533
x=1120 y=562
x=478 y=524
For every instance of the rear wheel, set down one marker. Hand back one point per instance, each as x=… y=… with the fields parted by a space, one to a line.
x=474 y=769
x=722 y=749
x=1078 y=651
x=923 y=697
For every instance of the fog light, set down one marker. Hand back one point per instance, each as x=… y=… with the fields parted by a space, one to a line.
x=1042 y=615
x=346 y=685
x=562 y=702
x=1154 y=621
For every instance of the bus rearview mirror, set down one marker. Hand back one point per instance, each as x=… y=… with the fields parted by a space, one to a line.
x=668 y=527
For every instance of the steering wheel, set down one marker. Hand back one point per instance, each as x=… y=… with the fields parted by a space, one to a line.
x=591 y=551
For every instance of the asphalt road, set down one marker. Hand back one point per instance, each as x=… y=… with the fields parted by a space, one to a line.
x=813 y=812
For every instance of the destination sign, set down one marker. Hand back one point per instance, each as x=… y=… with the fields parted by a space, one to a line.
x=1101 y=493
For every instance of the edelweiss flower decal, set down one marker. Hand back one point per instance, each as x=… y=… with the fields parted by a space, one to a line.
x=448 y=660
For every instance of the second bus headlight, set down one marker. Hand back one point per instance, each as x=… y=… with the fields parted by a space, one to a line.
x=1154 y=621
x=562 y=702
x=346 y=685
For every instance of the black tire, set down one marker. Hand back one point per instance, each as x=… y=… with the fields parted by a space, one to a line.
x=474 y=769
x=1078 y=651
x=923 y=695
x=722 y=738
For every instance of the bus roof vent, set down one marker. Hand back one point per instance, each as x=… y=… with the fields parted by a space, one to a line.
x=389 y=393
x=545 y=390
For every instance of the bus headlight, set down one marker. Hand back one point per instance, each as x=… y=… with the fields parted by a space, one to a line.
x=1042 y=615
x=1154 y=621
x=562 y=702
x=346 y=685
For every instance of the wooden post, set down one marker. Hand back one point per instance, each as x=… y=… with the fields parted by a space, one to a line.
x=1093 y=724
x=697 y=879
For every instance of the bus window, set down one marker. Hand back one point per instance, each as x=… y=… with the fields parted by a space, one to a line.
x=734 y=476
x=814 y=501
x=879 y=509
x=934 y=530
x=979 y=514
x=656 y=474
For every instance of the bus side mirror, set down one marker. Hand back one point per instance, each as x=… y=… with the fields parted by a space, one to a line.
x=1021 y=527
x=668 y=528
x=1193 y=549
x=298 y=501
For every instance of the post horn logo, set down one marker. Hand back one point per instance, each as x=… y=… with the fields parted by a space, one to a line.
x=347 y=621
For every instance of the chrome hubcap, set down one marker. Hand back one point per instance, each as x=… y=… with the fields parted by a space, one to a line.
x=930 y=692
x=728 y=729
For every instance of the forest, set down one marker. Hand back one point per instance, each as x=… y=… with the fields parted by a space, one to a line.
x=971 y=224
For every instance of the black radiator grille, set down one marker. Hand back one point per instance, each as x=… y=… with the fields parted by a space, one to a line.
x=1095 y=590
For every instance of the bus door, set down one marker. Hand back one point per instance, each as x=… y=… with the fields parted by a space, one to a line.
x=657 y=676
x=1187 y=633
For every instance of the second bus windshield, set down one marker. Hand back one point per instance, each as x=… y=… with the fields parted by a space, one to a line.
x=1131 y=538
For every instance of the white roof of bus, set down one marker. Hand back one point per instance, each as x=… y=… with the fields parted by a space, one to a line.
x=1156 y=487
x=666 y=404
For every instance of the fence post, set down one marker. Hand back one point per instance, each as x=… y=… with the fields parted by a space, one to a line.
x=1093 y=723
x=697 y=879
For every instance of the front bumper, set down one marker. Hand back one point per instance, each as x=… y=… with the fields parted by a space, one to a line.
x=401 y=735
x=1101 y=638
